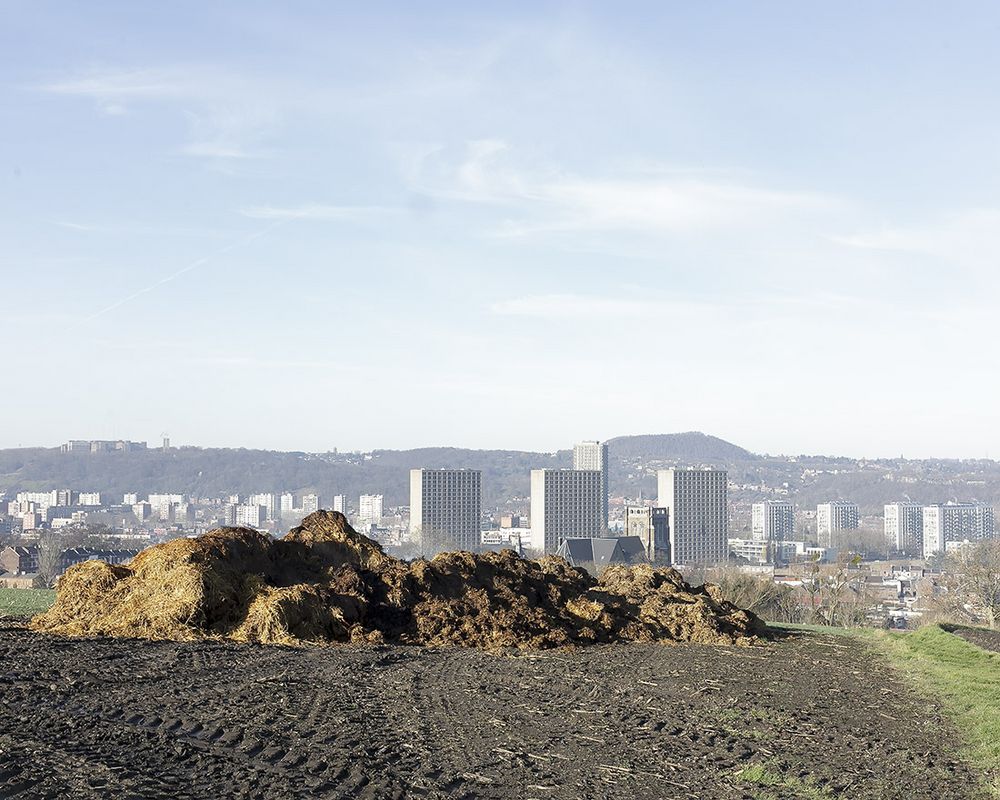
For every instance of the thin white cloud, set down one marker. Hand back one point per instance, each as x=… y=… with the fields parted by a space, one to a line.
x=970 y=237
x=564 y=306
x=228 y=113
x=316 y=212
x=128 y=84
x=653 y=200
x=218 y=150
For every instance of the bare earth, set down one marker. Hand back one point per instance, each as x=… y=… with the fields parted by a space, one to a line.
x=114 y=718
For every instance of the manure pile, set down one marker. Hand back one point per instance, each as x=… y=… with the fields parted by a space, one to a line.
x=325 y=583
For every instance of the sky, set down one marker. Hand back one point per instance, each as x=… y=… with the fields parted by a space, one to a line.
x=318 y=225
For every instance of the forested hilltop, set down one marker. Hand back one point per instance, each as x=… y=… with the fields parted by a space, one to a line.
x=634 y=461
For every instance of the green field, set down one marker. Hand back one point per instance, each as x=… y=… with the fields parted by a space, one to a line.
x=23 y=603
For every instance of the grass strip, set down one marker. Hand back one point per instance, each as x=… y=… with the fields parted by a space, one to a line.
x=24 y=603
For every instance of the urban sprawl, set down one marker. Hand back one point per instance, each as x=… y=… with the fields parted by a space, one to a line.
x=569 y=514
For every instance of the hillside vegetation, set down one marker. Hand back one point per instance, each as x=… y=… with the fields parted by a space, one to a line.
x=634 y=461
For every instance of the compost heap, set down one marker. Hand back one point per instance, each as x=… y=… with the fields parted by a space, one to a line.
x=325 y=583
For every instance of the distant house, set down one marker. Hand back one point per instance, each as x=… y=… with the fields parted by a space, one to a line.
x=19 y=560
x=594 y=555
x=24 y=560
x=76 y=555
x=25 y=581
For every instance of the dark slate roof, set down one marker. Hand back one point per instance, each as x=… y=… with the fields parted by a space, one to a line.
x=604 y=551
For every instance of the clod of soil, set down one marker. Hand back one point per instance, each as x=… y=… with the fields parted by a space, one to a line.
x=325 y=583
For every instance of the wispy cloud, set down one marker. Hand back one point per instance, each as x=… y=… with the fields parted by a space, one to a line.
x=970 y=237
x=229 y=114
x=218 y=150
x=566 y=306
x=653 y=199
x=317 y=212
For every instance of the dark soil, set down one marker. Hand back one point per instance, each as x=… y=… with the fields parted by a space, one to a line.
x=806 y=716
x=981 y=637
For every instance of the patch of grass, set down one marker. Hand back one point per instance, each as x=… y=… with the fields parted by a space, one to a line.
x=759 y=724
x=965 y=678
x=768 y=778
x=24 y=603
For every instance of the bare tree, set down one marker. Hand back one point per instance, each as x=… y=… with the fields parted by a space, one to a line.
x=976 y=580
x=50 y=550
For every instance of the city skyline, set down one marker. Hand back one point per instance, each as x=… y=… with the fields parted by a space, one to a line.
x=488 y=211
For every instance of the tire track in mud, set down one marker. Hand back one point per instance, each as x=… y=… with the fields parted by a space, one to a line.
x=116 y=719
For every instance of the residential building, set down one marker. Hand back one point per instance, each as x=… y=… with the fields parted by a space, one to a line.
x=19 y=560
x=955 y=522
x=565 y=503
x=142 y=511
x=594 y=455
x=129 y=499
x=773 y=521
x=162 y=504
x=903 y=524
x=832 y=519
x=340 y=503
x=370 y=508
x=90 y=499
x=310 y=503
x=251 y=515
x=287 y=503
x=42 y=500
x=697 y=503
x=765 y=551
x=31 y=520
x=652 y=527
x=445 y=508
x=270 y=502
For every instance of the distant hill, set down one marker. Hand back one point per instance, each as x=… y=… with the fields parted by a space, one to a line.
x=211 y=472
x=690 y=448
x=216 y=471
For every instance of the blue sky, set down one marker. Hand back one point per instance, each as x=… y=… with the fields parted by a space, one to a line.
x=317 y=225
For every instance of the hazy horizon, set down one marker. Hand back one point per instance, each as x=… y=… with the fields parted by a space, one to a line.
x=154 y=444
x=310 y=227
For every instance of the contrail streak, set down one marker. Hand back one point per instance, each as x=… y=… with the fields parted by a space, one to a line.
x=193 y=265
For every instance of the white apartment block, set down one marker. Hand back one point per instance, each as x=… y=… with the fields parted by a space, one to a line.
x=594 y=455
x=764 y=551
x=41 y=499
x=370 y=508
x=90 y=499
x=834 y=517
x=903 y=524
x=130 y=498
x=162 y=503
x=697 y=501
x=340 y=503
x=565 y=504
x=310 y=503
x=773 y=521
x=270 y=502
x=446 y=508
x=955 y=522
x=251 y=515
x=287 y=502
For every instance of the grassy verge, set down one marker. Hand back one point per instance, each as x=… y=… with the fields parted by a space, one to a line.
x=966 y=680
x=24 y=603
x=963 y=678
